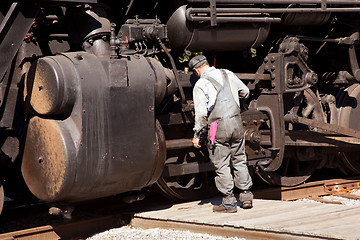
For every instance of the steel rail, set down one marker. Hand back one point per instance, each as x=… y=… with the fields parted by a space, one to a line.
x=69 y=230
x=311 y=189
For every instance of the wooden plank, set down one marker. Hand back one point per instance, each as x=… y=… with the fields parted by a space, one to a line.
x=309 y=219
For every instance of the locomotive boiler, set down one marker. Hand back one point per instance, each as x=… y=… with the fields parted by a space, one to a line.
x=96 y=97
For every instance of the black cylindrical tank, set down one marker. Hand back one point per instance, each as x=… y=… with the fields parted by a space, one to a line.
x=108 y=141
x=195 y=36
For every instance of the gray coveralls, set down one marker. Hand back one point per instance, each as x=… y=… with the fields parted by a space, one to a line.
x=229 y=148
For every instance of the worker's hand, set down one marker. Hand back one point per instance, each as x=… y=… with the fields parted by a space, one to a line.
x=196 y=142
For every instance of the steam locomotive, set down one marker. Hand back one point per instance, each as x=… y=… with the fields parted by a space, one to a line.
x=96 y=96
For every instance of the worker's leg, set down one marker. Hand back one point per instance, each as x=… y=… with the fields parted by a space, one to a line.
x=220 y=156
x=242 y=177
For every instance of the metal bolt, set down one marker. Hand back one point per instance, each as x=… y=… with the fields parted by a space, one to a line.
x=79 y=57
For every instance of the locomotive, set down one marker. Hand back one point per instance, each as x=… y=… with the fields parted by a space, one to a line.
x=96 y=96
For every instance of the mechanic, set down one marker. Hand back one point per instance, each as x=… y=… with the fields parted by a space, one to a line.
x=217 y=112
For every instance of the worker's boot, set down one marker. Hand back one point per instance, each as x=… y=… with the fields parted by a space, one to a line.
x=228 y=205
x=246 y=198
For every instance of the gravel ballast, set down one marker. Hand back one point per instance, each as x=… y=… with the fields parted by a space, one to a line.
x=128 y=232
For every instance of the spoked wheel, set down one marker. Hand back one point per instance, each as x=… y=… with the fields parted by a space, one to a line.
x=191 y=186
x=295 y=168
x=298 y=163
x=349 y=116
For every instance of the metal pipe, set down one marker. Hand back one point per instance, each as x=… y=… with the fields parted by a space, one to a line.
x=337 y=2
x=317 y=39
x=59 y=36
x=236 y=19
x=272 y=10
x=178 y=144
x=176 y=74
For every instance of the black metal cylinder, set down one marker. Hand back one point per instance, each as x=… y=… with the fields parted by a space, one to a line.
x=195 y=36
x=110 y=143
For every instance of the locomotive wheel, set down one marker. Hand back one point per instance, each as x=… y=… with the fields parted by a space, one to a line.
x=298 y=163
x=191 y=186
x=292 y=172
x=349 y=117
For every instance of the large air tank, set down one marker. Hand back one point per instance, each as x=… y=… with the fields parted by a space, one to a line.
x=200 y=36
x=94 y=133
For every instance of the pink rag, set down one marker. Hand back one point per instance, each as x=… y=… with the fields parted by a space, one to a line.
x=213 y=128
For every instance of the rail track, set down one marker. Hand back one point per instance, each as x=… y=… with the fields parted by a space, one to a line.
x=106 y=217
x=311 y=190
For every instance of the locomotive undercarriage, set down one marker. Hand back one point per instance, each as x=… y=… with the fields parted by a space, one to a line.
x=96 y=100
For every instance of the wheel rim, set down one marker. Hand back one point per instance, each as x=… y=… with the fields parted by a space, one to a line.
x=296 y=167
x=191 y=186
x=349 y=117
x=291 y=173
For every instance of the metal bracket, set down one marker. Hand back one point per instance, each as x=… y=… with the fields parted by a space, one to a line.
x=13 y=29
x=213 y=21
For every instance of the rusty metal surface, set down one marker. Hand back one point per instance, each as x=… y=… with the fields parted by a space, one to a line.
x=307 y=190
x=109 y=143
x=46 y=165
x=335 y=186
x=53 y=89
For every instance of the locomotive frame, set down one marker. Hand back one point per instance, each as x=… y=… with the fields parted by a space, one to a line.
x=96 y=99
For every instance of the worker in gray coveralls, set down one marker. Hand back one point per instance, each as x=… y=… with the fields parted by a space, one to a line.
x=216 y=100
